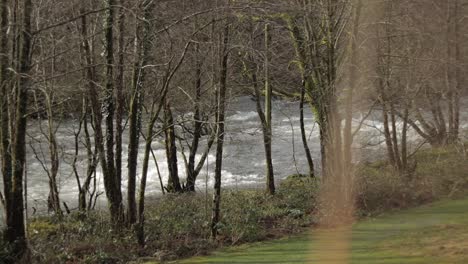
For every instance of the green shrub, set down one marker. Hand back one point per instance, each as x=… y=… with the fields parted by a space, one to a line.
x=299 y=192
x=242 y=216
x=439 y=173
x=178 y=224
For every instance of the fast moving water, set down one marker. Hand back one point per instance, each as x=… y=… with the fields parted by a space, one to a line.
x=243 y=155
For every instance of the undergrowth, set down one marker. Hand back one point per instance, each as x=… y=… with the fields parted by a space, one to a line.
x=177 y=226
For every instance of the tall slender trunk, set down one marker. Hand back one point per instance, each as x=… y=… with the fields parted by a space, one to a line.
x=449 y=70
x=144 y=170
x=149 y=139
x=54 y=199
x=404 y=140
x=134 y=136
x=323 y=150
x=5 y=152
x=458 y=73
x=52 y=172
x=173 y=184
x=15 y=231
x=142 y=50
x=120 y=99
x=198 y=125
x=299 y=46
x=310 y=161
x=267 y=135
x=84 y=189
x=394 y=135
x=263 y=121
x=388 y=137
x=111 y=182
x=92 y=94
x=384 y=86
x=106 y=156
x=135 y=123
x=348 y=137
x=220 y=132
x=81 y=192
x=92 y=163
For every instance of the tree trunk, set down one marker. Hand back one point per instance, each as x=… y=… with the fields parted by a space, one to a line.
x=267 y=135
x=5 y=152
x=173 y=184
x=134 y=136
x=15 y=231
x=323 y=150
x=84 y=189
x=220 y=133
x=198 y=125
x=348 y=134
x=111 y=182
x=144 y=176
x=388 y=137
x=458 y=78
x=149 y=139
x=404 y=140
x=142 y=47
x=120 y=97
x=54 y=199
x=310 y=161
x=92 y=163
x=113 y=191
x=394 y=136
x=299 y=47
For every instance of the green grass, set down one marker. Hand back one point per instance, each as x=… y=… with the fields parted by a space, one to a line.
x=436 y=233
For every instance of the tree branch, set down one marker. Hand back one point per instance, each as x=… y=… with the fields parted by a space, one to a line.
x=61 y=23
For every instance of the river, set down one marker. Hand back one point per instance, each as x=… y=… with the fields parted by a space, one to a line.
x=243 y=163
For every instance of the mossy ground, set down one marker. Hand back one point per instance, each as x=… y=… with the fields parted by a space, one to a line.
x=436 y=233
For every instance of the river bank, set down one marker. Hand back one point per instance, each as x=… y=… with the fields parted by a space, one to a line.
x=177 y=226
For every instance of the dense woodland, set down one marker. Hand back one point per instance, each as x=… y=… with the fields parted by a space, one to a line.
x=164 y=70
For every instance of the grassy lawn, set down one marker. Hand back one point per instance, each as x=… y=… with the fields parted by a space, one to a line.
x=436 y=233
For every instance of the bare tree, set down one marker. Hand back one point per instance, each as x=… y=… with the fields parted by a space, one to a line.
x=142 y=49
x=173 y=184
x=156 y=107
x=4 y=101
x=84 y=189
x=220 y=119
x=319 y=60
x=13 y=166
x=251 y=69
x=199 y=123
x=120 y=96
x=267 y=124
x=111 y=181
x=112 y=187
x=48 y=93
